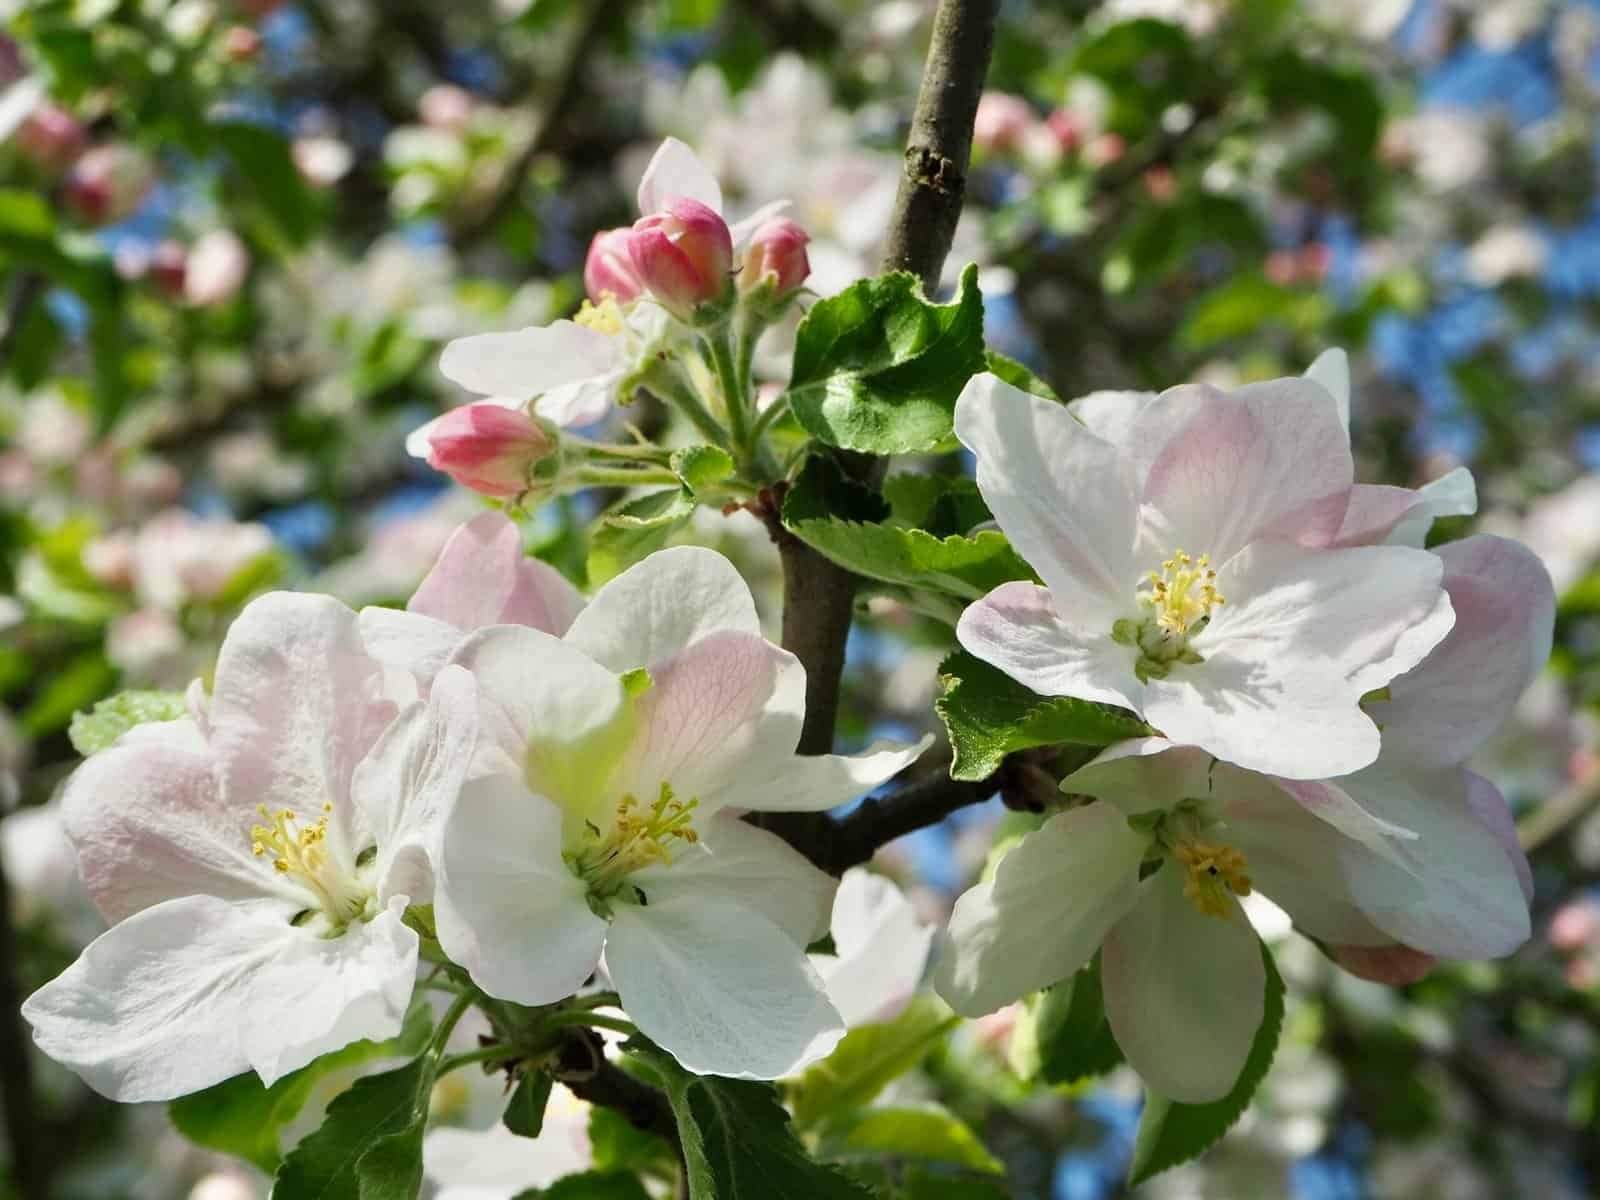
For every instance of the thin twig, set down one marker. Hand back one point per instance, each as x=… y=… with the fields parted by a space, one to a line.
x=1556 y=813
x=583 y=1067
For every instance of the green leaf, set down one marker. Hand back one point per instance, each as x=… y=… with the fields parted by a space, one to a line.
x=1171 y=1133
x=591 y=1185
x=85 y=679
x=524 y=1113
x=618 y=1144
x=964 y=566
x=737 y=1140
x=114 y=716
x=263 y=160
x=369 y=1147
x=988 y=715
x=634 y=529
x=867 y=1060
x=701 y=467
x=878 y=367
x=1246 y=304
x=923 y=1184
x=1063 y=1036
x=242 y=1117
x=925 y=1131
x=1018 y=376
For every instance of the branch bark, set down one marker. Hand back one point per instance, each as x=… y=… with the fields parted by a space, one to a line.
x=589 y=1075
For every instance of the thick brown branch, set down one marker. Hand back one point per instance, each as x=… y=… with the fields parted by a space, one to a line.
x=838 y=845
x=589 y=1075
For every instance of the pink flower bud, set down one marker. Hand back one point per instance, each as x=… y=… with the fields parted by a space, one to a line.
x=51 y=138
x=108 y=183
x=1001 y=122
x=608 y=271
x=683 y=255
x=1575 y=925
x=241 y=43
x=169 y=264
x=488 y=448
x=1066 y=126
x=1395 y=965
x=776 y=257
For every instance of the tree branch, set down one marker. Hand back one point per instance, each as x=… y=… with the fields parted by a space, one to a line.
x=589 y=1075
x=837 y=845
x=818 y=596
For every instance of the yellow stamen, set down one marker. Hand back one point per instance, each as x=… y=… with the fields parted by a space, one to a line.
x=605 y=317
x=1213 y=875
x=299 y=851
x=640 y=836
x=1182 y=594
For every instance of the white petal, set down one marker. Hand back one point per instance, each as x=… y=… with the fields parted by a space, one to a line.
x=1443 y=709
x=409 y=641
x=882 y=949
x=1453 y=494
x=409 y=782
x=1044 y=913
x=323 y=993
x=148 y=821
x=1066 y=498
x=819 y=782
x=523 y=363
x=661 y=605
x=1374 y=513
x=153 y=1008
x=508 y=907
x=1184 y=991
x=1269 y=460
x=1452 y=891
x=1494 y=813
x=496 y=1164
x=1113 y=416
x=584 y=401
x=675 y=170
x=745 y=867
x=1143 y=774
x=1017 y=628
x=723 y=990
x=740 y=231
x=482 y=577
x=1331 y=369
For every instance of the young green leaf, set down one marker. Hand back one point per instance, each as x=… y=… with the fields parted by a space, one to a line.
x=867 y=1060
x=1063 y=1036
x=635 y=529
x=988 y=715
x=921 y=1183
x=1018 y=376
x=524 y=1113
x=925 y=1131
x=114 y=716
x=737 y=1140
x=591 y=1185
x=702 y=467
x=1172 y=1133
x=878 y=367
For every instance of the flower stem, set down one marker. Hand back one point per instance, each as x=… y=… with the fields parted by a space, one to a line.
x=495 y=1053
x=664 y=381
x=579 y=1016
x=447 y=1024
x=594 y=476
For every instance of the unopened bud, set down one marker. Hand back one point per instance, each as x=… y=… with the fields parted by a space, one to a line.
x=682 y=255
x=108 y=183
x=169 y=264
x=776 y=257
x=608 y=271
x=51 y=138
x=488 y=448
x=1002 y=121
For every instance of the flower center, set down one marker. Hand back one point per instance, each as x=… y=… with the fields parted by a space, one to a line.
x=1213 y=874
x=639 y=837
x=299 y=851
x=605 y=317
x=1175 y=604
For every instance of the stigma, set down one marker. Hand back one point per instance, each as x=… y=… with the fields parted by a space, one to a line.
x=1175 y=604
x=298 y=850
x=605 y=317
x=1213 y=875
x=639 y=837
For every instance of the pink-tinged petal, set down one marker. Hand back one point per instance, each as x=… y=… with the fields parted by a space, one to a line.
x=675 y=170
x=1144 y=774
x=521 y=364
x=1303 y=636
x=1184 y=992
x=1026 y=928
x=741 y=231
x=1115 y=416
x=408 y=641
x=508 y=907
x=1452 y=891
x=153 y=1008
x=1066 y=498
x=729 y=705
x=483 y=578
x=724 y=991
x=1331 y=370
x=1495 y=814
x=1443 y=709
x=662 y=605
x=149 y=824
x=1017 y=628
x=320 y=994
x=581 y=402
x=1328 y=802
x=295 y=705
x=882 y=946
x=1453 y=494
x=1375 y=511
x=1392 y=964
x=1269 y=460
x=407 y=785
x=747 y=867
x=818 y=782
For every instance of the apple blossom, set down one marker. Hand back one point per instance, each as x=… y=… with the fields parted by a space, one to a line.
x=217 y=267
x=52 y=137
x=1002 y=121
x=683 y=255
x=881 y=947
x=256 y=860
x=482 y=577
x=776 y=258
x=1184 y=541
x=496 y=1164
x=108 y=182
x=489 y=448
x=601 y=818
x=608 y=269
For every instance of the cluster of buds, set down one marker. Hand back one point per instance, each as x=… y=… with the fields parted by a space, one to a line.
x=52 y=138
x=108 y=183
x=1008 y=126
x=205 y=275
x=492 y=449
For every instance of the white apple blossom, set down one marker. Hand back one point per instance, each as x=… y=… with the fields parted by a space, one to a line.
x=496 y=1164
x=1190 y=544
x=1413 y=853
x=881 y=948
x=602 y=816
x=256 y=859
